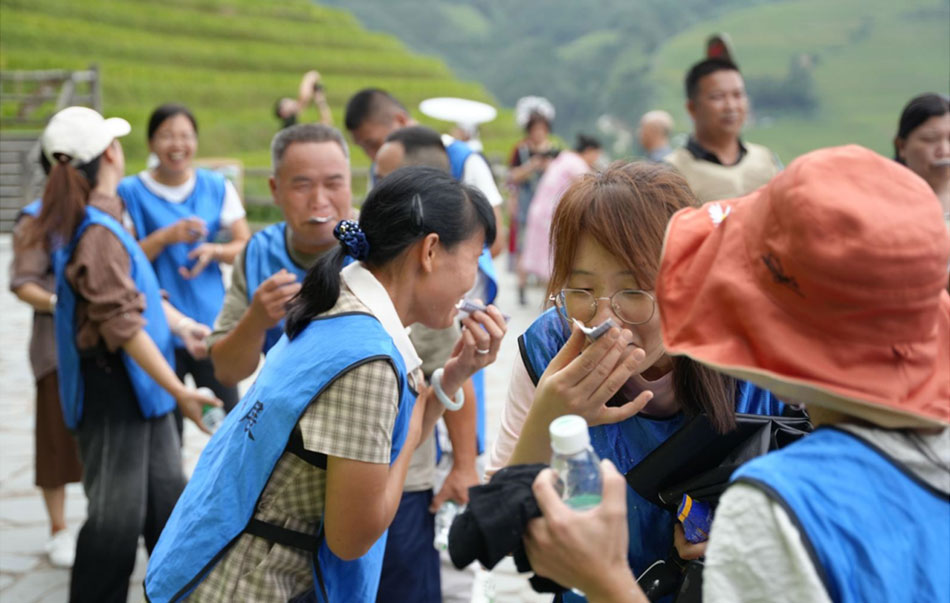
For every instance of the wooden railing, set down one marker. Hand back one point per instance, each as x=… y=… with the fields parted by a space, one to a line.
x=33 y=90
x=35 y=96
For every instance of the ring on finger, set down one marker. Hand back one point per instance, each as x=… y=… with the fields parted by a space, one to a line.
x=477 y=351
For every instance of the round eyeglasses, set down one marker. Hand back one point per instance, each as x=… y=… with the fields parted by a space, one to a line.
x=632 y=306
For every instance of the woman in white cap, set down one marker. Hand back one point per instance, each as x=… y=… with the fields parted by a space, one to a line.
x=116 y=377
x=827 y=287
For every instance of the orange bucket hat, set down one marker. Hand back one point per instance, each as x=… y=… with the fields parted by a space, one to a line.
x=825 y=286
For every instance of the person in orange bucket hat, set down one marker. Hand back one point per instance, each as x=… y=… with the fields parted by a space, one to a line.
x=843 y=248
x=825 y=286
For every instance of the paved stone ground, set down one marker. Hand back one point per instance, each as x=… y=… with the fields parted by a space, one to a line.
x=25 y=574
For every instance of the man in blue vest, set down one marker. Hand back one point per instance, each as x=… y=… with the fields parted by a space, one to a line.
x=371 y=116
x=311 y=186
x=411 y=564
x=458 y=468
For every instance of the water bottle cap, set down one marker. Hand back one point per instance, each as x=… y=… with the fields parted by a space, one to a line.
x=569 y=434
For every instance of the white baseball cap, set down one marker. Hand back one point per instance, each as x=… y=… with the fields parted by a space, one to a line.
x=81 y=133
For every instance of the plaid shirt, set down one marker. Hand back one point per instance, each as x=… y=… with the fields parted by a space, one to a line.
x=352 y=419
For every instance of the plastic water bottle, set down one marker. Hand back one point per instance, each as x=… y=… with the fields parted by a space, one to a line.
x=575 y=462
x=443 y=522
x=211 y=416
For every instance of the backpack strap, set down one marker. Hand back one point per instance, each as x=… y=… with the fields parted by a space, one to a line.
x=308 y=543
x=295 y=447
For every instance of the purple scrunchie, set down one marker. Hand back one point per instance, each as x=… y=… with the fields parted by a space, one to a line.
x=353 y=239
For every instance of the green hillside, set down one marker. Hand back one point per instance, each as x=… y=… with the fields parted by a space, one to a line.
x=588 y=58
x=869 y=58
x=228 y=60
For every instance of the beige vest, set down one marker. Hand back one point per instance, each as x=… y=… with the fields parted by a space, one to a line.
x=712 y=181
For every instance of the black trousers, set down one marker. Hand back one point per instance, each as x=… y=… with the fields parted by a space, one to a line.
x=202 y=371
x=132 y=476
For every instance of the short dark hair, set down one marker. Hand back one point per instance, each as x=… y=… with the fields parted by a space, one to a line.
x=704 y=68
x=585 y=142
x=917 y=111
x=391 y=224
x=304 y=133
x=166 y=111
x=370 y=103
x=422 y=146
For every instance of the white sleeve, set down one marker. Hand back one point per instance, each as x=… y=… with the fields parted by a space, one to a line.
x=756 y=554
x=518 y=402
x=232 y=209
x=129 y=225
x=476 y=172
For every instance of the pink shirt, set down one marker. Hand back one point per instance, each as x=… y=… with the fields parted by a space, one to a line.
x=567 y=167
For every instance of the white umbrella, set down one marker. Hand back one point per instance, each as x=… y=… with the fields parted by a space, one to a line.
x=462 y=111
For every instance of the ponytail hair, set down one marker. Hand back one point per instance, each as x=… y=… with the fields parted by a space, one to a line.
x=64 y=201
x=403 y=208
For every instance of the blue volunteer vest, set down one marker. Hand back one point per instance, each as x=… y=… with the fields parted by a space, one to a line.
x=32 y=209
x=264 y=255
x=201 y=297
x=874 y=531
x=152 y=399
x=219 y=501
x=628 y=442
x=459 y=152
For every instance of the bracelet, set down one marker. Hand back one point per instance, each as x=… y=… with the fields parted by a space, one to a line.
x=179 y=329
x=440 y=394
x=52 y=303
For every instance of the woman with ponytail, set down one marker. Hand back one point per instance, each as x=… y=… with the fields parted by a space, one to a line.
x=324 y=437
x=117 y=383
x=607 y=236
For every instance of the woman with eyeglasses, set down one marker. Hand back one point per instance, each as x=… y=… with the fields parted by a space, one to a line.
x=178 y=211
x=606 y=236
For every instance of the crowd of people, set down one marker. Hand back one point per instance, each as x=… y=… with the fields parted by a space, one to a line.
x=736 y=285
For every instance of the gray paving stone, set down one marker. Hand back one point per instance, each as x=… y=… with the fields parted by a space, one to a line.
x=36 y=585
x=17 y=564
x=24 y=539
x=14 y=466
x=60 y=595
x=26 y=510
x=22 y=510
x=18 y=443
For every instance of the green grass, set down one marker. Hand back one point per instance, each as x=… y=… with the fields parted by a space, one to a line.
x=873 y=56
x=228 y=60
